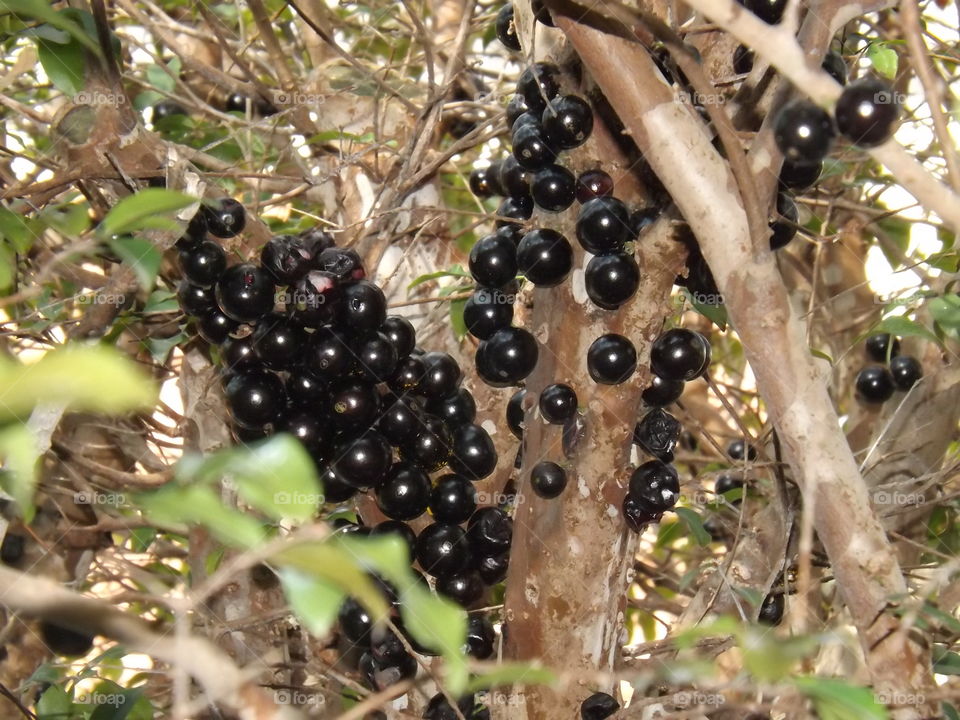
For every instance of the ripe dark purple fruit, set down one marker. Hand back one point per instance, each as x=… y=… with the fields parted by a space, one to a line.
x=287 y=258
x=279 y=343
x=879 y=347
x=355 y=622
x=401 y=333
x=548 y=479
x=636 y=514
x=430 y=448
x=538 y=84
x=598 y=706
x=906 y=370
x=404 y=493
x=530 y=148
x=245 y=293
x=456 y=409
x=204 y=263
x=490 y=531
x=544 y=257
x=803 y=131
x=225 y=217
x=364 y=307
x=402 y=419
x=493 y=261
x=65 y=641
x=255 y=398
x=483 y=184
x=874 y=384
x=515 y=413
x=508 y=357
x=603 y=225
x=611 y=280
x=362 y=462
x=334 y=490
x=771 y=611
x=515 y=108
x=316 y=298
x=657 y=434
x=480 y=636
x=305 y=390
x=742 y=60
x=215 y=327
x=381 y=675
x=770 y=11
x=472 y=452
x=739 y=449
x=439 y=707
x=514 y=210
x=506 y=30
x=487 y=311
x=453 y=499
x=611 y=359
x=442 y=550
x=493 y=568
x=784 y=229
x=441 y=375
x=194 y=299
x=661 y=393
x=354 y=404
x=799 y=175
x=726 y=482
x=680 y=354
x=376 y=357
x=514 y=178
x=868 y=112
x=239 y=355
x=343 y=264
x=554 y=188
x=567 y=122
x=835 y=66
x=542 y=13
x=558 y=403
x=305 y=426
x=593 y=184
x=329 y=354
x=655 y=485
x=463 y=588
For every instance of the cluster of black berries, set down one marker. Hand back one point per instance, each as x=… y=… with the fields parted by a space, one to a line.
x=235 y=102
x=877 y=383
x=308 y=349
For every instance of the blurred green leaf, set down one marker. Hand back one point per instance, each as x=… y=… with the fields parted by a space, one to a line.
x=884 y=59
x=694 y=524
x=41 y=10
x=141 y=255
x=19 y=452
x=457 y=324
x=63 y=63
x=176 y=505
x=946 y=662
x=54 y=704
x=511 y=673
x=454 y=271
x=315 y=601
x=716 y=313
x=904 y=327
x=70 y=219
x=161 y=301
x=151 y=208
x=950 y=712
x=161 y=79
x=15 y=229
x=838 y=700
x=771 y=658
x=946 y=311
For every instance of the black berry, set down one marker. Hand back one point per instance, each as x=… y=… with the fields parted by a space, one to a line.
x=473 y=454
x=874 y=384
x=487 y=311
x=442 y=549
x=803 y=131
x=554 y=188
x=506 y=30
x=771 y=611
x=204 y=263
x=65 y=641
x=255 y=398
x=879 y=348
x=680 y=354
x=364 y=307
x=603 y=225
x=868 y=112
x=593 y=184
x=508 y=357
x=657 y=434
x=538 y=84
x=558 y=403
x=661 y=392
x=364 y=461
x=490 y=531
x=544 y=257
x=906 y=370
x=245 y=293
x=598 y=706
x=404 y=493
x=515 y=413
x=225 y=218
x=401 y=333
x=567 y=122
x=611 y=359
x=611 y=280
x=655 y=485
x=548 y=479
x=493 y=261
x=453 y=499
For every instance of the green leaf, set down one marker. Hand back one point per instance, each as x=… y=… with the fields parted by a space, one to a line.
x=15 y=230
x=19 y=451
x=41 y=10
x=822 y=355
x=54 y=704
x=94 y=378
x=159 y=348
x=161 y=79
x=884 y=59
x=70 y=219
x=457 y=324
x=455 y=271
x=114 y=702
x=837 y=700
x=771 y=658
x=151 y=208
x=8 y=268
x=315 y=601
x=511 y=673
x=64 y=65
x=142 y=538
x=161 y=301
x=713 y=311
x=905 y=327
x=140 y=254
x=950 y=712
x=946 y=311
x=694 y=524
x=174 y=505
x=946 y=662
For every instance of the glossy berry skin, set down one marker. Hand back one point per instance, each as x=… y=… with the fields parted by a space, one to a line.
x=508 y=357
x=726 y=483
x=364 y=461
x=342 y=263
x=167 y=108
x=239 y=355
x=738 y=450
x=867 y=112
x=430 y=448
x=194 y=299
x=409 y=373
x=355 y=622
x=906 y=371
x=11 y=549
x=493 y=261
x=515 y=108
x=442 y=375
x=593 y=184
x=316 y=299
x=506 y=30
x=305 y=390
x=657 y=434
x=515 y=413
x=401 y=420
x=487 y=311
x=453 y=499
x=598 y=706
x=611 y=359
x=381 y=675
x=603 y=225
x=835 y=66
x=643 y=218
x=803 y=131
x=548 y=479
x=245 y=293
x=310 y=430
x=493 y=568
x=279 y=343
x=225 y=218
x=514 y=178
x=531 y=149
x=404 y=493
x=875 y=384
x=558 y=403
x=401 y=333
x=286 y=258
x=554 y=188
x=742 y=60
x=456 y=409
x=538 y=84
x=334 y=491
x=878 y=347
x=514 y=210
x=472 y=453
x=354 y=404
x=376 y=357
x=655 y=485
x=680 y=354
x=439 y=707
x=636 y=514
x=255 y=398
x=442 y=550
x=203 y=264
x=64 y=641
x=784 y=229
x=329 y=354
x=482 y=183
x=611 y=280
x=771 y=611
x=770 y=11
x=490 y=531
x=799 y=175
x=364 y=307
x=400 y=529
x=544 y=257
x=567 y=122
x=215 y=327
x=463 y=588
x=541 y=13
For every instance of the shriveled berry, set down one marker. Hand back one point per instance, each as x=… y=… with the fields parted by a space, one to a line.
x=656 y=485
x=658 y=433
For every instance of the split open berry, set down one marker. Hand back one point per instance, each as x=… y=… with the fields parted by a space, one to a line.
x=906 y=370
x=203 y=264
x=364 y=461
x=506 y=30
x=538 y=84
x=868 y=112
x=515 y=413
x=661 y=392
x=531 y=148
x=342 y=263
x=611 y=280
x=875 y=384
x=603 y=225
x=554 y=188
x=364 y=307
x=771 y=611
x=593 y=184
x=680 y=354
x=463 y=588
x=430 y=448
x=656 y=485
x=255 y=398
x=882 y=347
x=558 y=403
x=487 y=311
x=508 y=357
x=598 y=706
x=379 y=675
x=740 y=450
x=548 y=479
x=493 y=261
x=404 y=493
x=225 y=217
x=803 y=131
x=316 y=299
x=490 y=531
x=770 y=11
x=453 y=499
x=657 y=434
x=472 y=452
x=611 y=359
x=544 y=257
x=799 y=175
x=636 y=514
x=245 y=293
x=443 y=549
x=287 y=258
x=567 y=122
